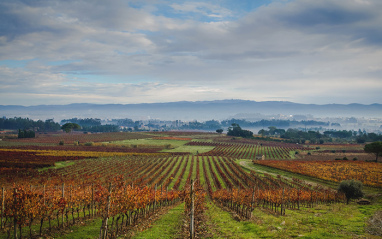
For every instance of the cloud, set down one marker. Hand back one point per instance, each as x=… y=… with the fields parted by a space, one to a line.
x=295 y=50
x=203 y=8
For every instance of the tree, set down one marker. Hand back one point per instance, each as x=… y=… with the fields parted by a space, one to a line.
x=219 y=131
x=374 y=148
x=235 y=130
x=26 y=134
x=351 y=188
x=68 y=127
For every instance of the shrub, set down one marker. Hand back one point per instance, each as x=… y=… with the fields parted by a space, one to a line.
x=61 y=142
x=355 y=159
x=344 y=158
x=317 y=148
x=351 y=188
x=89 y=144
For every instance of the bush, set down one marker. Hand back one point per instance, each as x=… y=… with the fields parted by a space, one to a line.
x=355 y=159
x=344 y=158
x=317 y=148
x=351 y=188
x=61 y=142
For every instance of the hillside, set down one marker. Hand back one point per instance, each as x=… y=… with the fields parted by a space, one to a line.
x=186 y=110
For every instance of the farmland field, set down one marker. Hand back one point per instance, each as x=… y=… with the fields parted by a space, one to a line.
x=123 y=180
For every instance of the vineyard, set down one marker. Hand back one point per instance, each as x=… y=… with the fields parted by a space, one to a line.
x=368 y=173
x=123 y=186
x=247 y=151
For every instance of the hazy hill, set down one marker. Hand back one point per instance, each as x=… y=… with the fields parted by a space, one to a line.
x=184 y=110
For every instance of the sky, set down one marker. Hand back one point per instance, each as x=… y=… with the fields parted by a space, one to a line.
x=150 y=51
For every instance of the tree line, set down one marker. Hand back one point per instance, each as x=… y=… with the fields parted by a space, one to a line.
x=299 y=136
x=29 y=124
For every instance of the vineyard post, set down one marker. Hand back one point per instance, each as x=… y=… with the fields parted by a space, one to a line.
x=2 y=207
x=311 y=198
x=44 y=194
x=192 y=227
x=155 y=197
x=258 y=195
x=316 y=197
x=238 y=197
x=107 y=213
x=161 y=191
x=92 y=200
x=15 y=216
x=253 y=199
x=231 y=198
x=167 y=196
x=298 y=199
x=282 y=203
x=63 y=196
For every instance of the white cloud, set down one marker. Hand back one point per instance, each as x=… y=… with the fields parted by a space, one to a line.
x=291 y=50
x=203 y=8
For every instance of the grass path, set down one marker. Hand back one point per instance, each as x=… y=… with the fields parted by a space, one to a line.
x=168 y=226
x=90 y=230
x=220 y=224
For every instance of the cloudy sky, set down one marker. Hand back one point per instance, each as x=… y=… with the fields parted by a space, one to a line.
x=143 y=51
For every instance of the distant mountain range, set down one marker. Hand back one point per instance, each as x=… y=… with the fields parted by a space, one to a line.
x=185 y=110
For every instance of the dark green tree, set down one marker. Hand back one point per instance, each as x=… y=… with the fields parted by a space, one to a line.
x=69 y=127
x=219 y=131
x=26 y=134
x=351 y=188
x=374 y=148
x=236 y=130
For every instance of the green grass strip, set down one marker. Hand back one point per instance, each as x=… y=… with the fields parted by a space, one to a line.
x=184 y=179
x=220 y=224
x=168 y=226
x=222 y=183
x=177 y=175
x=91 y=230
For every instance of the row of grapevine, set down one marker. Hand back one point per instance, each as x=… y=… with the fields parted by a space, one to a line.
x=247 y=151
x=48 y=205
x=369 y=173
x=194 y=197
x=242 y=201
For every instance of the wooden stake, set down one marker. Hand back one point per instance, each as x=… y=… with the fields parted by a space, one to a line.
x=63 y=196
x=15 y=217
x=2 y=207
x=192 y=226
